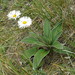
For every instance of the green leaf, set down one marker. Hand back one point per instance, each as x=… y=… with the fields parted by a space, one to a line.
x=47 y=30
x=32 y=34
x=64 y=51
x=46 y=27
x=57 y=45
x=38 y=36
x=38 y=57
x=30 y=52
x=57 y=36
x=66 y=48
x=56 y=32
x=32 y=40
x=45 y=40
x=2 y=49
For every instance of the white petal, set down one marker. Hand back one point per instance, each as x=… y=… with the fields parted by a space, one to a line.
x=11 y=13
x=21 y=25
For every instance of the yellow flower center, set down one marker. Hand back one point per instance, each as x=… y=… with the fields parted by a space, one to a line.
x=14 y=15
x=24 y=22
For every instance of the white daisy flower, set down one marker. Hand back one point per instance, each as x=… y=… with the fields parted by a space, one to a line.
x=24 y=22
x=14 y=14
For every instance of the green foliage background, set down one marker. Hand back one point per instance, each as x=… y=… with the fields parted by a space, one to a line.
x=11 y=48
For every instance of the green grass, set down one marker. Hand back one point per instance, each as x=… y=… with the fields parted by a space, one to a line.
x=11 y=47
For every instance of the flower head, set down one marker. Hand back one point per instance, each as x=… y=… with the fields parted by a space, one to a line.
x=24 y=22
x=14 y=14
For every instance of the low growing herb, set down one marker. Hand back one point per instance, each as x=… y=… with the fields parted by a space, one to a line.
x=48 y=41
